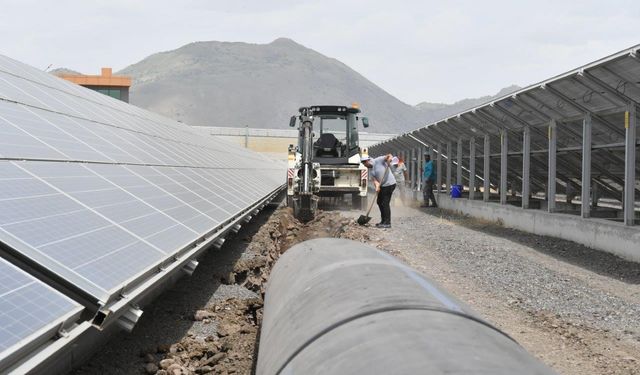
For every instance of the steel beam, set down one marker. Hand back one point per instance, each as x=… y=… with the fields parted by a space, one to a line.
x=581 y=108
x=472 y=168
x=630 y=123
x=526 y=166
x=447 y=182
x=459 y=166
x=439 y=168
x=421 y=167
x=413 y=169
x=486 y=173
x=588 y=76
x=551 y=179
x=504 y=149
x=586 y=165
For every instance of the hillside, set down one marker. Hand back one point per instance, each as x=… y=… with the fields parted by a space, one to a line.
x=429 y=112
x=262 y=85
x=239 y=84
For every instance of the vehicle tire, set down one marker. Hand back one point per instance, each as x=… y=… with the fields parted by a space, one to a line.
x=364 y=203
x=358 y=202
x=290 y=201
x=355 y=201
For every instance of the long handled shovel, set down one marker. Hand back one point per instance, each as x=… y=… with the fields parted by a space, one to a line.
x=364 y=219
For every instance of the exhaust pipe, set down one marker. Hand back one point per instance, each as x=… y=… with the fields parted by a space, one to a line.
x=336 y=306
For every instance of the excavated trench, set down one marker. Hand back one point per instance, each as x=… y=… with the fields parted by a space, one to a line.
x=224 y=335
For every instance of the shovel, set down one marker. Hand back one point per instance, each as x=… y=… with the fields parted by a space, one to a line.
x=364 y=219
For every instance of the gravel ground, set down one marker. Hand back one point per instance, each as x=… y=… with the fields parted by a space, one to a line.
x=575 y=308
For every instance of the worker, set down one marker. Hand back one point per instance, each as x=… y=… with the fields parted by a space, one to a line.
x=429 y=176
x=399 y=170
x=385 y=183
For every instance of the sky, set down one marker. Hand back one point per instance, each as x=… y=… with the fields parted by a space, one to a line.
x=435 y=51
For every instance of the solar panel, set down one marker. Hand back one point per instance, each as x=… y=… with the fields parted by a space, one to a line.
x=604 y=89
x=99 y=193
x=29 y=309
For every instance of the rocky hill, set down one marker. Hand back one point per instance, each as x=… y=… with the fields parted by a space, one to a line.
x=260 y=85
x=430 y=112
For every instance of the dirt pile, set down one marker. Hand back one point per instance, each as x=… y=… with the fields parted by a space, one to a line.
x=224 y=335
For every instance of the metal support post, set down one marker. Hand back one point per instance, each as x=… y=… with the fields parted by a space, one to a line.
x=526 y=165
x=421 y=167
x=504 y=149
x=416 y=178
x=630 y=123
x=586 y=165
x=551 y=179
x=486 y=173
x=412 y=170
x=439 y=169
x=459 y=166
x=472 y=168
x=447 y=182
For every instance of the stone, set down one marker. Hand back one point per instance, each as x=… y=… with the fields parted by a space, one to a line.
x=202 y=314
x=227 y=345
x=151 y=368
x=222 y=331
x=175 y=369
x=204 y=370
x=165 y=363
x=214 y=359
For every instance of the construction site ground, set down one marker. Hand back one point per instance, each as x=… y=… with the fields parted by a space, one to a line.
x=576 y=309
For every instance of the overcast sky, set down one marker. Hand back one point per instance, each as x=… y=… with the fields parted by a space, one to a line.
x=437 y=51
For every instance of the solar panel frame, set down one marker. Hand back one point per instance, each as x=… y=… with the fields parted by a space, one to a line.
x=99 y=172
x=30 y=312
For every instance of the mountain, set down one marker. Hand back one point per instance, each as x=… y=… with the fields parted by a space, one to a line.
x=429 y=112
x=260 y=85
x=63 y=71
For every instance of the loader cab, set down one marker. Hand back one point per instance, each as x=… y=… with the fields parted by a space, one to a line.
x=336 y=133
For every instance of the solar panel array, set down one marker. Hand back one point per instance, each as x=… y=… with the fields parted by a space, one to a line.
x=604 y=88
x=98 y=193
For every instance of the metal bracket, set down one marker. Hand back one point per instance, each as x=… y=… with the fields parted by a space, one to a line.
x=218 y=243
x=190 y=267
x=129 y=318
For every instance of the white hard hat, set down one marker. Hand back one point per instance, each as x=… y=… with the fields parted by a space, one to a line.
x=395 y=160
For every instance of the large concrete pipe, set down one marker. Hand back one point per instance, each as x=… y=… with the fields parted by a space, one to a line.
x=340 y=307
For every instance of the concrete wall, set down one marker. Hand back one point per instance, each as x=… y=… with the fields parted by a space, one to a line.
x=600 y=234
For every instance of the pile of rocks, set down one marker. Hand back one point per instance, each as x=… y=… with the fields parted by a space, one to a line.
x=229 y=350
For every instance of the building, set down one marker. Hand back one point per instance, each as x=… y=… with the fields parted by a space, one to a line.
x=274 y=142
x=106 y=83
